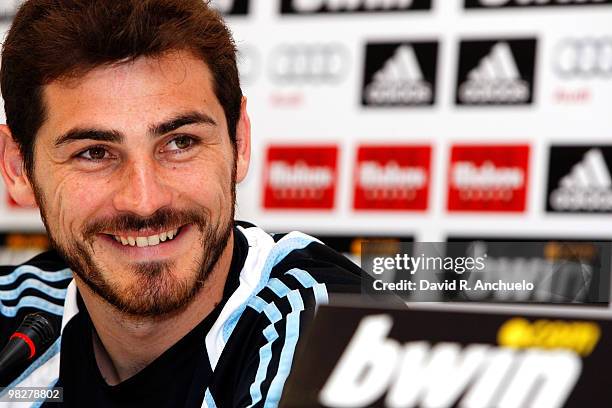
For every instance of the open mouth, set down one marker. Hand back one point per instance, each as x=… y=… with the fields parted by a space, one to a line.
x=146 y=241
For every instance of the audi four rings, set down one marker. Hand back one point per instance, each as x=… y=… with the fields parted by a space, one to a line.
x=584 y=57
x=309 y=62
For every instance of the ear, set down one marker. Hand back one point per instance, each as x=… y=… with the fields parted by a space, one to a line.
x=243 y=142
x=13 y=170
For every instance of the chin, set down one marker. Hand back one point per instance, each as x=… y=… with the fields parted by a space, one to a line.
x=156 y=289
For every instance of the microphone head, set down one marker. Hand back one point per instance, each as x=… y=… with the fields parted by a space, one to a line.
x=40 y=329
x=31 y=339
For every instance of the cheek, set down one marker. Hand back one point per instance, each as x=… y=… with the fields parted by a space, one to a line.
x=209 y=186
x=74 y=200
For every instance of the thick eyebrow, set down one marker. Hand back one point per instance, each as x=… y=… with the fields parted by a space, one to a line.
x=89 y=134
x=191 y=118
x=114 y=136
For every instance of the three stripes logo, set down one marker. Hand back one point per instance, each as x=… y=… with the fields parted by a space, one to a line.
x=579 y=179
x=400 y=74
x=496 y=72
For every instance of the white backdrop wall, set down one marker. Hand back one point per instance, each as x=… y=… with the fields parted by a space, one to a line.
x=304 y=73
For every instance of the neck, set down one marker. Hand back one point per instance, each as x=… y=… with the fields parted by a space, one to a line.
x=124 y=345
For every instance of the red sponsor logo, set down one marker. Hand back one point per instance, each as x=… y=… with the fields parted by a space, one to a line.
x=300 y=177
x=392 y=178
x=488 y=178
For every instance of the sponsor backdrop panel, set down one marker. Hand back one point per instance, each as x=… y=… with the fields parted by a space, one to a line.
x=361 y=109
x=382 y=80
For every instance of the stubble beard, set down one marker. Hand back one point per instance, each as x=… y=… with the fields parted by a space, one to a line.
x=155 y=291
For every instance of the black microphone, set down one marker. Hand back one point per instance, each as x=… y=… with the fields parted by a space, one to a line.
x=30 y=339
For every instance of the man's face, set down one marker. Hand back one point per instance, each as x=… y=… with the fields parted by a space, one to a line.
x=135 y=175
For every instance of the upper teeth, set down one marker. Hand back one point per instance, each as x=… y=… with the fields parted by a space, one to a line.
x=146 y=241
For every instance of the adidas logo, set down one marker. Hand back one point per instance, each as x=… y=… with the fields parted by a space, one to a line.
x=486 y=182
x=399 y=81
x=587 y=187
x=307 y=6
x=390 y=181
x=299 y=180
x=496 y=79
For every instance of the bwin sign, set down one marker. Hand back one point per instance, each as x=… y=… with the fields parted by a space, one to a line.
x=313 y=5
x=532 y=3
x=350 y=6
x=418 y=374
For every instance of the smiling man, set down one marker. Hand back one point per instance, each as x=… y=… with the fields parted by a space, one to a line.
x=127 y=127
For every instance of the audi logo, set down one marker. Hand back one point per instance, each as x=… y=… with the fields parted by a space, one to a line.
x=309 y=63
x=584 y=57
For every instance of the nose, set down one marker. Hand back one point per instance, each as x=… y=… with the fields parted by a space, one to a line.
x=141 y=191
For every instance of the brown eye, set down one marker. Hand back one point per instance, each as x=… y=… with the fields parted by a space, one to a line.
x=94 y=153
x=97 y=153
x=180 y=143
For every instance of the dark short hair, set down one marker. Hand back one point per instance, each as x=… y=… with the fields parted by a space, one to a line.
x=61 y=39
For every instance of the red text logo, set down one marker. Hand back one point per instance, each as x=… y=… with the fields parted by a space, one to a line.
x=488 y=178
x=392 y=178
x=300 y=177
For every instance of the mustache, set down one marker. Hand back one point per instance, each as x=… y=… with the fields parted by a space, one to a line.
x=164 y=218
